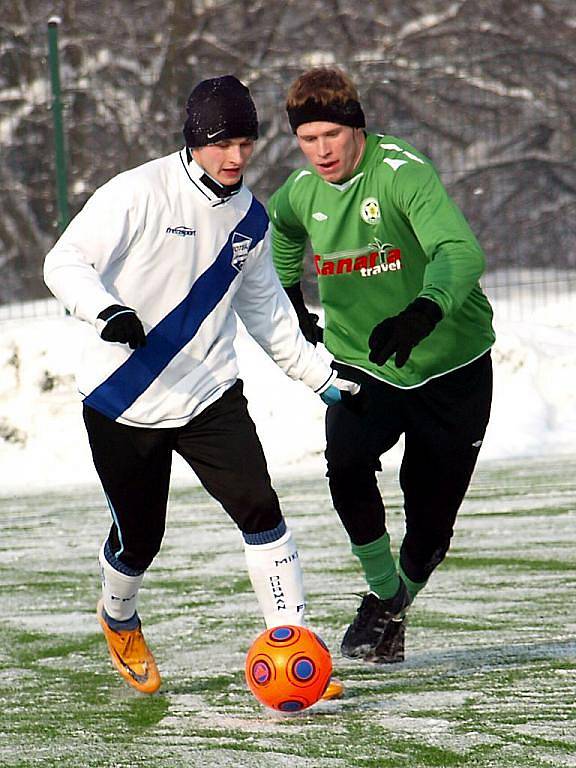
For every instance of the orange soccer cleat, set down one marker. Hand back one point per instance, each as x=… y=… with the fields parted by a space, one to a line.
x=334 y=690
x=130 y=655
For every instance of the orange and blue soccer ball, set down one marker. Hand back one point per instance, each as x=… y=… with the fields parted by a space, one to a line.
x=288 y=668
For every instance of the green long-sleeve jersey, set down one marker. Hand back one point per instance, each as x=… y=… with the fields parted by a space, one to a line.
x=388 y=234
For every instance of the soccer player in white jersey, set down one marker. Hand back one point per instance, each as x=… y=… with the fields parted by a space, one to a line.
x=159 y=261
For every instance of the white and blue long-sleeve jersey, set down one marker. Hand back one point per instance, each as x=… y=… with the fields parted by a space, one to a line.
x=158 y=240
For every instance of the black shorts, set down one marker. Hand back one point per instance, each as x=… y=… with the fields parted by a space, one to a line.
x=134 y=463
x=443 y=423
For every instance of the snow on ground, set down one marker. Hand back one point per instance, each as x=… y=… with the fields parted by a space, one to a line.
x=42 y=439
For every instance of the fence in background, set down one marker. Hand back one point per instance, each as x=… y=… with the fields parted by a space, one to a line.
x=517 y=295
x=515 y=178
x=31 y=310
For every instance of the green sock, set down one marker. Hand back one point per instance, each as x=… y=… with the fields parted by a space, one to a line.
x=413 y=587
x=379 y=566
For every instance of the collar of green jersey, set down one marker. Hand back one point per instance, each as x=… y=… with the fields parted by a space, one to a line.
x=358 y=172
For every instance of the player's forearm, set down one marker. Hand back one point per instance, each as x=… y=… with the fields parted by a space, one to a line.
x=452 y=274
x=288 y=257
x=76 y=284
x=270 y=319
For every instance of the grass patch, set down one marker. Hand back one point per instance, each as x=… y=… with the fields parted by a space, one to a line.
x=488 y=680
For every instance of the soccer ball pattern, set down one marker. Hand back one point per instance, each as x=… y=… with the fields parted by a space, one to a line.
x=288 y=668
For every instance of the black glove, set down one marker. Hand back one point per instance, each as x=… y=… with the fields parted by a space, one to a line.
x=123 y=325
x=308 y=321
x=401 y=333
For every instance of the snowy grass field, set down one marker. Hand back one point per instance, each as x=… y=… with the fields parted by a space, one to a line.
x=490 y=675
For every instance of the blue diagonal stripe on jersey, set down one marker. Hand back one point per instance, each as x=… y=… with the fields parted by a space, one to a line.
x=125 y=385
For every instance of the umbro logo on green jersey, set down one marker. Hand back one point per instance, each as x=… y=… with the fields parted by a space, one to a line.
x=319 y=216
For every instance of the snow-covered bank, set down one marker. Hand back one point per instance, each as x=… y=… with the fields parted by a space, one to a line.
x=42 y=440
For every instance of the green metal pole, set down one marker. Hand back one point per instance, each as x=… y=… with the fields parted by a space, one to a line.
x=61 y=183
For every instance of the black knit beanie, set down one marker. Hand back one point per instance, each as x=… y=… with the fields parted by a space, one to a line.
x=220 y=108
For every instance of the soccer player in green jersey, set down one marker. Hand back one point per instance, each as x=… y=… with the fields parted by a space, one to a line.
x=405 y=317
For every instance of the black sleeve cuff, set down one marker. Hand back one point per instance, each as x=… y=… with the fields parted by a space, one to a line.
x=294 y=293
x=430 y=309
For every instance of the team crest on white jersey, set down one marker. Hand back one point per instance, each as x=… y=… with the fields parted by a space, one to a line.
x=240 y=249
x=370 y=211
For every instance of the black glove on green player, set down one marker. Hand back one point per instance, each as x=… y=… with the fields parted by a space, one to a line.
x=308 y=321
x=401 y=333
x=123 y=325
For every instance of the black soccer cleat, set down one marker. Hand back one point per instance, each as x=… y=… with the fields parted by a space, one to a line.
x=390 y=649
x=371 y=629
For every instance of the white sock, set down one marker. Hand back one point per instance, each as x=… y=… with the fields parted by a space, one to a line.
x=276 y=576
x=119 y=590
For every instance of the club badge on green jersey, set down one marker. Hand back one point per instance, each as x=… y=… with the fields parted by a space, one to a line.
x=370 y=211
